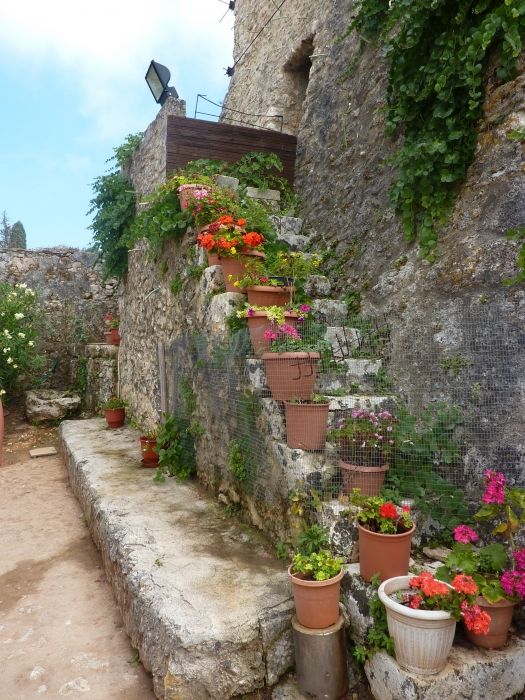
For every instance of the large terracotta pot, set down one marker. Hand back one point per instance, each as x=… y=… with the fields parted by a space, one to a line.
x=500 y=622
x=213 y=259
x=422 y=638
x=262 y=295
x=291 y=375
x=107 y=337
x=149 y=457
x=235 y=268
x=369 y=479
x=115 y=417
x=259 y=322
x=316 y=602
x=306 y=425
x=386 y=555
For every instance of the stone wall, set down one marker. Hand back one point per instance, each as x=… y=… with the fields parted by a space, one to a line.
x=454 y=307
x=147 y=168
x=74 y=299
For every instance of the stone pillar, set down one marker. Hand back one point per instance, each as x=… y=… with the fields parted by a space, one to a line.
x=102 y=374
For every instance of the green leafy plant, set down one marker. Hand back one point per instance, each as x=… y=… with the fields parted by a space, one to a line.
x=318 y=566
x=176 y=449
x=177 y=284
x=237 y=461
x=379 y=515
x=123 y=153
x=377 y=637
x=312 y=539
x=437 y=54
x=113 y=403
x=517 y=234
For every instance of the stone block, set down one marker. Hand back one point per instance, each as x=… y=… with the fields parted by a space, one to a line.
x=231 y=183
x=275 y=424
x=221 y=306
x=267 y=195
x=470 y=673
x=288 y=229
x=355 y=594
x=48 y=405
x=344 y=403
x=211 y=281
x=330 y=311
x=256 y=374
x=101 y=350
x=343 y=340
x=316 y=468
x=317 y=286
x=43 y=452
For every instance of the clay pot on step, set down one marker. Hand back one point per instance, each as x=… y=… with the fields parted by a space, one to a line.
x=306 y=425
x=500 y=622
x=291 y=375
x=258 y=323
x=263 y=295
x=233 y=268
x=316 y=602
x=114 y=336
x=115 y=417
x=369 y=479
x=386 y=555
x=147 y=447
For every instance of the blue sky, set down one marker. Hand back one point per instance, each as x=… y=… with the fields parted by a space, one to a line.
x=72 y=86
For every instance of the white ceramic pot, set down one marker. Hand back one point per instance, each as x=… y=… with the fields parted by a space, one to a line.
x=422 y=638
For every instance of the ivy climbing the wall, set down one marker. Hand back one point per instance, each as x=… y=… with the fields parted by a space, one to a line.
x=438 y=52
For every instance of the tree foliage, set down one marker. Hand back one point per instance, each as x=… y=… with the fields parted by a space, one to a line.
x=18 y=236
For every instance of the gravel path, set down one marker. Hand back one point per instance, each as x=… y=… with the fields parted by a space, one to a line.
x=61 y=634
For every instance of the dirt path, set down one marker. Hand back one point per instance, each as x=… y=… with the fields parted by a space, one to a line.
x=61 y=634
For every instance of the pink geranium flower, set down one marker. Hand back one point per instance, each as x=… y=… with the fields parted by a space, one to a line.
x=465 y=534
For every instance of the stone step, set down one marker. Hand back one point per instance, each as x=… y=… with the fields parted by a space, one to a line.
x=366 y=401
x=202 y=598
x=288 y=229
x=331 y=312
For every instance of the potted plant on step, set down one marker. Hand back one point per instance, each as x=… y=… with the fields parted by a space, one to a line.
x=262 y=289
x=385 y=536
x=365 y=440
x=267 y=323
x=148 y=449
x=306 y=422
x=316 y=586
x=498 y=569
x=114 y=335
x=115 y=411
x=422 y=614
x=228 y=239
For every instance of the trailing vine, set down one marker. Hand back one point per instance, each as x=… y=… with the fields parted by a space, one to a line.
x=437 y=51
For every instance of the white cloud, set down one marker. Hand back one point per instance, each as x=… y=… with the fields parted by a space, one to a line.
x=105 y=47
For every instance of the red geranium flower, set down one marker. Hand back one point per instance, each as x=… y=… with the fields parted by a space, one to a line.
x=388 y=510
x=253 y=239
x=465 y=584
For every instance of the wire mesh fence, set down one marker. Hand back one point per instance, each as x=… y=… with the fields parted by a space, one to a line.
x=332 y=404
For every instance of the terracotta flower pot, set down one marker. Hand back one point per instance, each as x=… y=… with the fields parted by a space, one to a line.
x=422 y=638
x=306 y=425
x=316 y=602
x=115 y=417
x=114 y=336
x=149 y=457
x=291 y=375
x=261 y=295
x=236 y=267
x=369 y=479
x=186 y=195
x=213 y=259
x=386 y=555
x=259 y=322
x=107 y=337
x=500 y=622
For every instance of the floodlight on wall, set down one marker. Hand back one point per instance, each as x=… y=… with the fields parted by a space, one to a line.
x=157 y=78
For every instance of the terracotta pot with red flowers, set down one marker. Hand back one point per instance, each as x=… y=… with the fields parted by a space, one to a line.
x=497 y=567
x=385 y=537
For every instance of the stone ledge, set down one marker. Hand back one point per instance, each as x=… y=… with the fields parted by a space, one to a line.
x=203 y=600
x=470 y=673
x=102 y=350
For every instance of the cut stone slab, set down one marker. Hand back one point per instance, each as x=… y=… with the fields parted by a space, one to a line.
x=268 y=195
x=43 y=452
x=470 y=673
x=342 y=403
x=203 y=599
x=231 y=183
x=101 y=350
x=48 y=404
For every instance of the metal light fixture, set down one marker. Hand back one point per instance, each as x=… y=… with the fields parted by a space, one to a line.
x=158 y=77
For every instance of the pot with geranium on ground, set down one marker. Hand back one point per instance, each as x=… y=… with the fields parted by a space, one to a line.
x=316 y=587
x=306 y=423
x=365 y=440
x=385 y=536
x=422 y=614
x=498 y=569
x=148 y=449
x=115 y=412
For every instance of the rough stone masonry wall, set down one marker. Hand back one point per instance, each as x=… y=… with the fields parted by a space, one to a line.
x=74 y=299
x=454 y=307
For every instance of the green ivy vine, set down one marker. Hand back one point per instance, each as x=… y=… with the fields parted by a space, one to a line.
x=437 y=52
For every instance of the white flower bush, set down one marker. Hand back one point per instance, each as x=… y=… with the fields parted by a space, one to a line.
x=18 y=304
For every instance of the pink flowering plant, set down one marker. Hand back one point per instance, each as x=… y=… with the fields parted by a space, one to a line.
x=365 y=438
x=498 y=569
